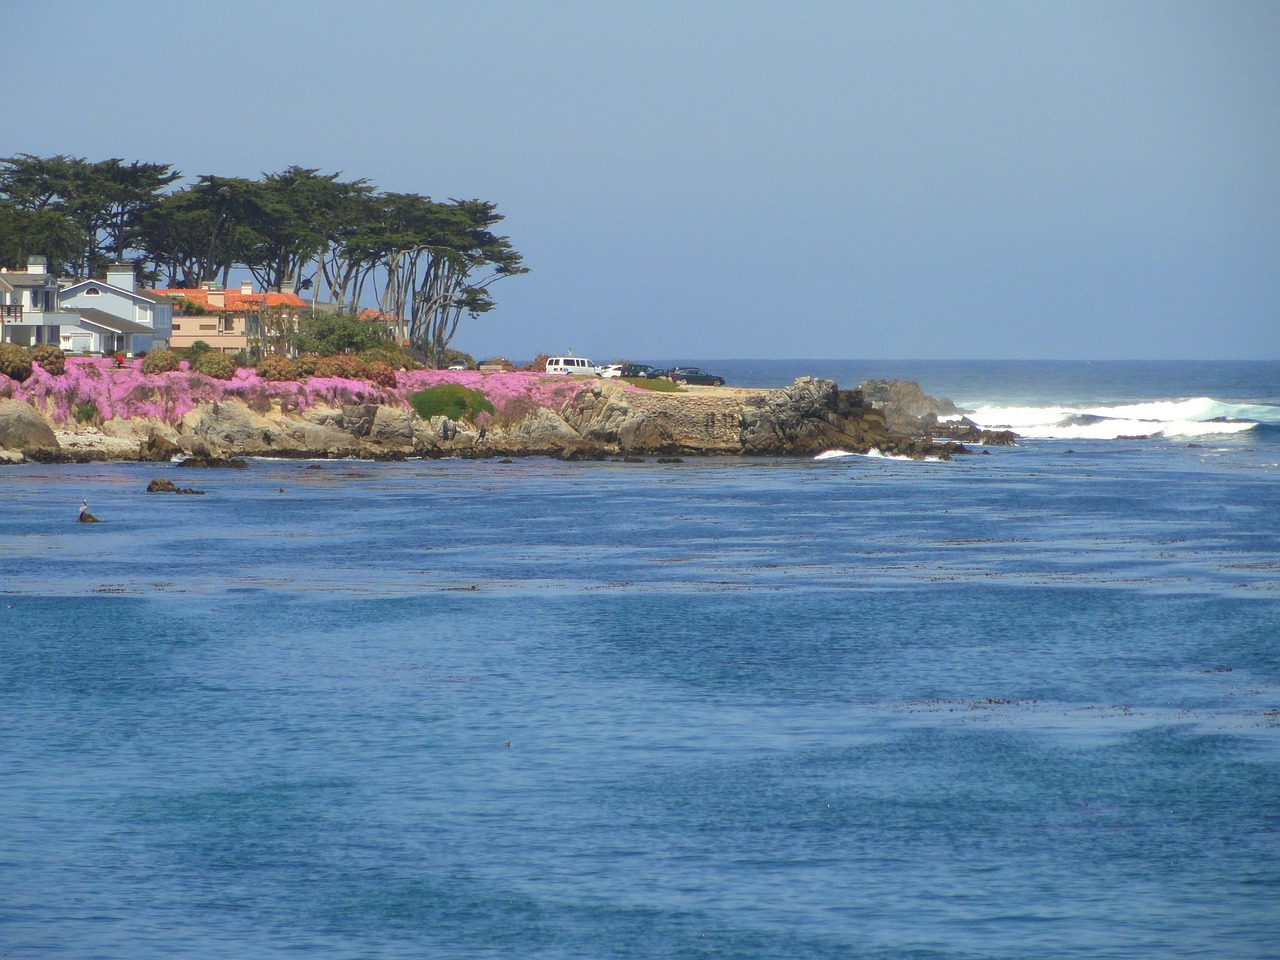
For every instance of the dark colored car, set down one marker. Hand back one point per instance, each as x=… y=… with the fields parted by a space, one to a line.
x=695 y=375
x=637 y=371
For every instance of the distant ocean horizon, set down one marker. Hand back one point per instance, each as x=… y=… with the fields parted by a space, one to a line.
x=1022 y=380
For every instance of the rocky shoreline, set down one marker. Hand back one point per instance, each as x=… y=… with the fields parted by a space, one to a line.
x=605 y=419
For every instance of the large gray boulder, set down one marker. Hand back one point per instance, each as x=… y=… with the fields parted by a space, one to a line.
x=904 y=403
x=23 y=429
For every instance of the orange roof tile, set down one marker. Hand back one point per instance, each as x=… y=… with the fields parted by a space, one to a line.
x=234 y=301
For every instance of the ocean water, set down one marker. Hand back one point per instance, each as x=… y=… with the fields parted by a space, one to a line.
x=1021 y=704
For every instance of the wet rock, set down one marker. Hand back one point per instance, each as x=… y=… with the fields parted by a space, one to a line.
x=164 y=485
x=904 y=402
x=209 y=460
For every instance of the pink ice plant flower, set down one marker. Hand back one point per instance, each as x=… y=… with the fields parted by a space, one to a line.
x=127 y=393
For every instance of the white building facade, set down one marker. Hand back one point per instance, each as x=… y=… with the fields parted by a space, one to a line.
x=113 y=316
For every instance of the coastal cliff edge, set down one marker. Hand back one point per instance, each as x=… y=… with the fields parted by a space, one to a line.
x=604 y=419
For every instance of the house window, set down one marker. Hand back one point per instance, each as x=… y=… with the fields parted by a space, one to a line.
x=93 y=292
x=209 y=326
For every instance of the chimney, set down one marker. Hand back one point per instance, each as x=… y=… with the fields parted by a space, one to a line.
x=37 y=264
x=246 y=287
x=121 y=276
x=217 y=296
x=287 y=286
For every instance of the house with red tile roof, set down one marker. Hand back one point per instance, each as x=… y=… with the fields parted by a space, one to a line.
x=230 y=320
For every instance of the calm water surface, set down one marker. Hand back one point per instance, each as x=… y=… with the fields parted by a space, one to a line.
x=1022 y=704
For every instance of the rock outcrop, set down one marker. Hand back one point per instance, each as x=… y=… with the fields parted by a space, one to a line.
x=165 y=485
x=610 y=418
x=904 y=403
x=24 y=433
x=909 y=410
x=808 y=417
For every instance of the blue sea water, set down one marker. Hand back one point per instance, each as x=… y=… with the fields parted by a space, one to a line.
x=1021 y=704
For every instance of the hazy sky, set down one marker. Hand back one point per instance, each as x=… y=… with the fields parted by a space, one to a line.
x=704 y=179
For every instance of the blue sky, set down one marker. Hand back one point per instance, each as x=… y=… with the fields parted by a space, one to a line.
x=706 y=179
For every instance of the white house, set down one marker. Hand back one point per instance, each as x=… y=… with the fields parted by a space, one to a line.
x=29 y=309
x=91 y=316
x=113 y=316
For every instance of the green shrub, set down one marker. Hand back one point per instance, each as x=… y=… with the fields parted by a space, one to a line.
x=14 y=361
x=160 y=361
x=220 y=366
x=51 y=359
x=660 y=385
x=275 y=367
x=394 y=356
x=86 y=412
x=450 y=400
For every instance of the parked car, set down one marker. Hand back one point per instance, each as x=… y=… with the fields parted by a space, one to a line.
x=695 y=375
x=580 y=366
x=459 y=365
x=635 y=371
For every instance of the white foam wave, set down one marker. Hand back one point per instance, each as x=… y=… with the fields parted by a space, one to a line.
x=1193 y=417
x=873 y=454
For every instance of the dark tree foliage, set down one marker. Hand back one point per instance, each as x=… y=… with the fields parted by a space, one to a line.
x=427 y=263
x=440 y=259
x=100 y=203
x=331 y=333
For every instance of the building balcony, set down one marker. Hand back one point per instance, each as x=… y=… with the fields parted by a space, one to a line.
x=19 y=316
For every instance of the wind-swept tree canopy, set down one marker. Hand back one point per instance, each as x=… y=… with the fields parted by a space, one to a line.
x=440 y=267
x=103 y=201
x=433 y=262
x=302 y=214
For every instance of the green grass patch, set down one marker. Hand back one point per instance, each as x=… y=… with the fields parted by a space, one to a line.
x=450 y=400
x=661 y=385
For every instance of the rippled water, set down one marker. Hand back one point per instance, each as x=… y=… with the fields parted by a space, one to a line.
x=1023 y=704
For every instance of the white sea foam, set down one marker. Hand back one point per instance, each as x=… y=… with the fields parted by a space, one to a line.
x=1193 y=417
x=873 y=454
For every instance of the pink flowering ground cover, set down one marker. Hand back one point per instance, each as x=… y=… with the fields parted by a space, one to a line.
x=126 y=393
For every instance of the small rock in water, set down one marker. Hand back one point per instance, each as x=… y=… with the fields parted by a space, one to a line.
x=163 y=485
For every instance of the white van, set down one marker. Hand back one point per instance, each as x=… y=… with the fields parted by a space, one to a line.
x=579 y=365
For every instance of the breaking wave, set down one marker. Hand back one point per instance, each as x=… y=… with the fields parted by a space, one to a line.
x=873 y=454
x=1173 y=419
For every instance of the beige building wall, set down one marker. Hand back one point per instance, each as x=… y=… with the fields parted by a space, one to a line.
x=223 y=332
